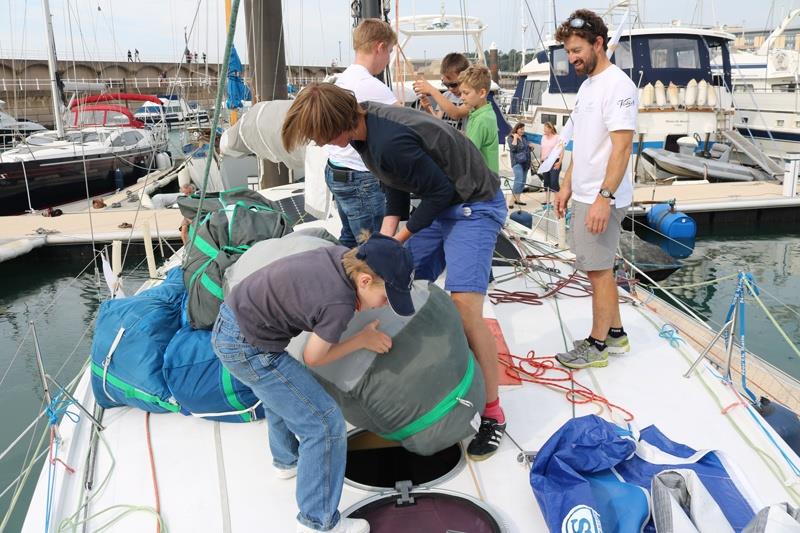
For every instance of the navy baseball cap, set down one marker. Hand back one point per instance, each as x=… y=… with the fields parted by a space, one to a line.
x=389 y=259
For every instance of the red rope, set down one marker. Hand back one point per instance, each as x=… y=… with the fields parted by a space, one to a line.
x=54 y=460
x=578 y=286
x=153 y=469
x=534 y=369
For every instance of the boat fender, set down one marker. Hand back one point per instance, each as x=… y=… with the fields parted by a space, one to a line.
x=784 y=421
x=522 y=217
x=691 y=93
x=664 y=219
x=672 y=95
x=660 y=93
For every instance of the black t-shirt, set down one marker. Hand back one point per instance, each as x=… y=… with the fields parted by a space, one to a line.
x=308 y=291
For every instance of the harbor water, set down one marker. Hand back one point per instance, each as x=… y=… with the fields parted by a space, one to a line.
x=61 y=294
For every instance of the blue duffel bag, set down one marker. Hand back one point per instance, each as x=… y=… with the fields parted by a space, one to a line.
x=202 y=385
x=131 y=336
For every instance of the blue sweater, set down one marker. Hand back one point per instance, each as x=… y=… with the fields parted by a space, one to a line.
x=410 y=151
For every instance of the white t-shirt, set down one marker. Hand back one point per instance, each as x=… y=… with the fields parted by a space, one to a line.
x=458 y=123
x=367 y=88
x=606 y=102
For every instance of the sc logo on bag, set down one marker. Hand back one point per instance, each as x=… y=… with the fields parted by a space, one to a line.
x=581 y=519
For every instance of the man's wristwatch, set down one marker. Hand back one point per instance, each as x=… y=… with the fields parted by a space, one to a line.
x=605 y=193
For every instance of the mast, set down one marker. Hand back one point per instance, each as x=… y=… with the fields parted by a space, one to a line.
x=524 y=29
x=234 y=116
x=267 y=68
x=51 y=66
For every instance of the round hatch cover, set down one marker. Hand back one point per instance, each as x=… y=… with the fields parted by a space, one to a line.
x=432 y=511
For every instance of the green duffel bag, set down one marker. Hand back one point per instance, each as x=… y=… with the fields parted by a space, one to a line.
x=216 y=242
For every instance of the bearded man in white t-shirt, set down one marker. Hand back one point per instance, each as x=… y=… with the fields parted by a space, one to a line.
x=598 y=180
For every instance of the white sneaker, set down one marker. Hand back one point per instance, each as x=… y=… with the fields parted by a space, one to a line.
x=345 y=525
x=285 y=473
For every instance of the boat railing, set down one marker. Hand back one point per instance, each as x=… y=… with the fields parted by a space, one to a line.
x=43 y=84
x=767 y=90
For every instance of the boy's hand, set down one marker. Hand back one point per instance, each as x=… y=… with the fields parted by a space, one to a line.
x=423 y=87
x=425 y=104
x=374 y=340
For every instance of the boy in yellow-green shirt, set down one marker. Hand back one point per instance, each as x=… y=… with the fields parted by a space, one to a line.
x=482 y=124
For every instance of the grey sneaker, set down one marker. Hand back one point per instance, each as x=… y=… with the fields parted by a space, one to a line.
x=583 y=355
x=617 y=346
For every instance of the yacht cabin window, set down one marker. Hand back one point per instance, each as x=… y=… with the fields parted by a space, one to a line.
x=560 y=62
x=622 y=55
x=547 y=117
x=674 y=53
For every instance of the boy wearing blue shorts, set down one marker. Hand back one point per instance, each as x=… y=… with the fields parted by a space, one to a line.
x=458 y=218
x=317 y=291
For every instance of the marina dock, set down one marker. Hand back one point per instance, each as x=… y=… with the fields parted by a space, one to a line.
x=718 y=205
x=80 y=224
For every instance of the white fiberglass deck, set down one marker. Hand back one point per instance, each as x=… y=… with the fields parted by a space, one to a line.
x=218 y=477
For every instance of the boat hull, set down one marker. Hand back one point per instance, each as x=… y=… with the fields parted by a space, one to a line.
x=53 y=182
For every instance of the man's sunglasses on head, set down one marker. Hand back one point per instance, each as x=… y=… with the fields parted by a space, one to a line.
x=579 y=23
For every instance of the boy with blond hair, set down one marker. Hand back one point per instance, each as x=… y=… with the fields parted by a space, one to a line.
x=476 y=82
x=458 y=218
x=358 y=195
x=317 y=291
x=451 y=107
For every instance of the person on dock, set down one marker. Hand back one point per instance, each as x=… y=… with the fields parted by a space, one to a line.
x=359 y=198
x=456 y=222
x=550 y=142
x=317 y=291
x=451 y=107
x=130 y=57
x=519 y=151
x=136 y=55
x=597 y=180
x=168 y=199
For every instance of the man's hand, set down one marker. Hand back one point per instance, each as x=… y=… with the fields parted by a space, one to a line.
x=599 y=213
x=423 y=87
x=557 y=164
x=374 y=340
x=562 y=199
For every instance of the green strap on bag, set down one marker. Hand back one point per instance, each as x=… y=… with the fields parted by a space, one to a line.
x=439 y=411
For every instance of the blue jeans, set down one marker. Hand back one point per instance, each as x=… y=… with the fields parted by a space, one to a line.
x=461 y=238
x=360 y=202
x=520 y=175
x=550 y=179
x=306 y=427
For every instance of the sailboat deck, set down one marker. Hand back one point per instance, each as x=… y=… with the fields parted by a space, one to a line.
x=218 y=477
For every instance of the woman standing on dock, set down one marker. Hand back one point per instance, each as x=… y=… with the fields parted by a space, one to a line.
x=520 y=152
x=550 y=140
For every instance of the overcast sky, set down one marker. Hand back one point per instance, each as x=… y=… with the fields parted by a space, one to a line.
x=315 y=29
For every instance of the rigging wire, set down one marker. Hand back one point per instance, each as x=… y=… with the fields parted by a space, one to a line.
x=217 y=113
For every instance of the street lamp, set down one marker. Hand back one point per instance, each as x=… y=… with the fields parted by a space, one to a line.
x=340 y=52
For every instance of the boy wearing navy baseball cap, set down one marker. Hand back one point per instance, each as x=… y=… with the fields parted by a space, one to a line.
x=317 y=291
